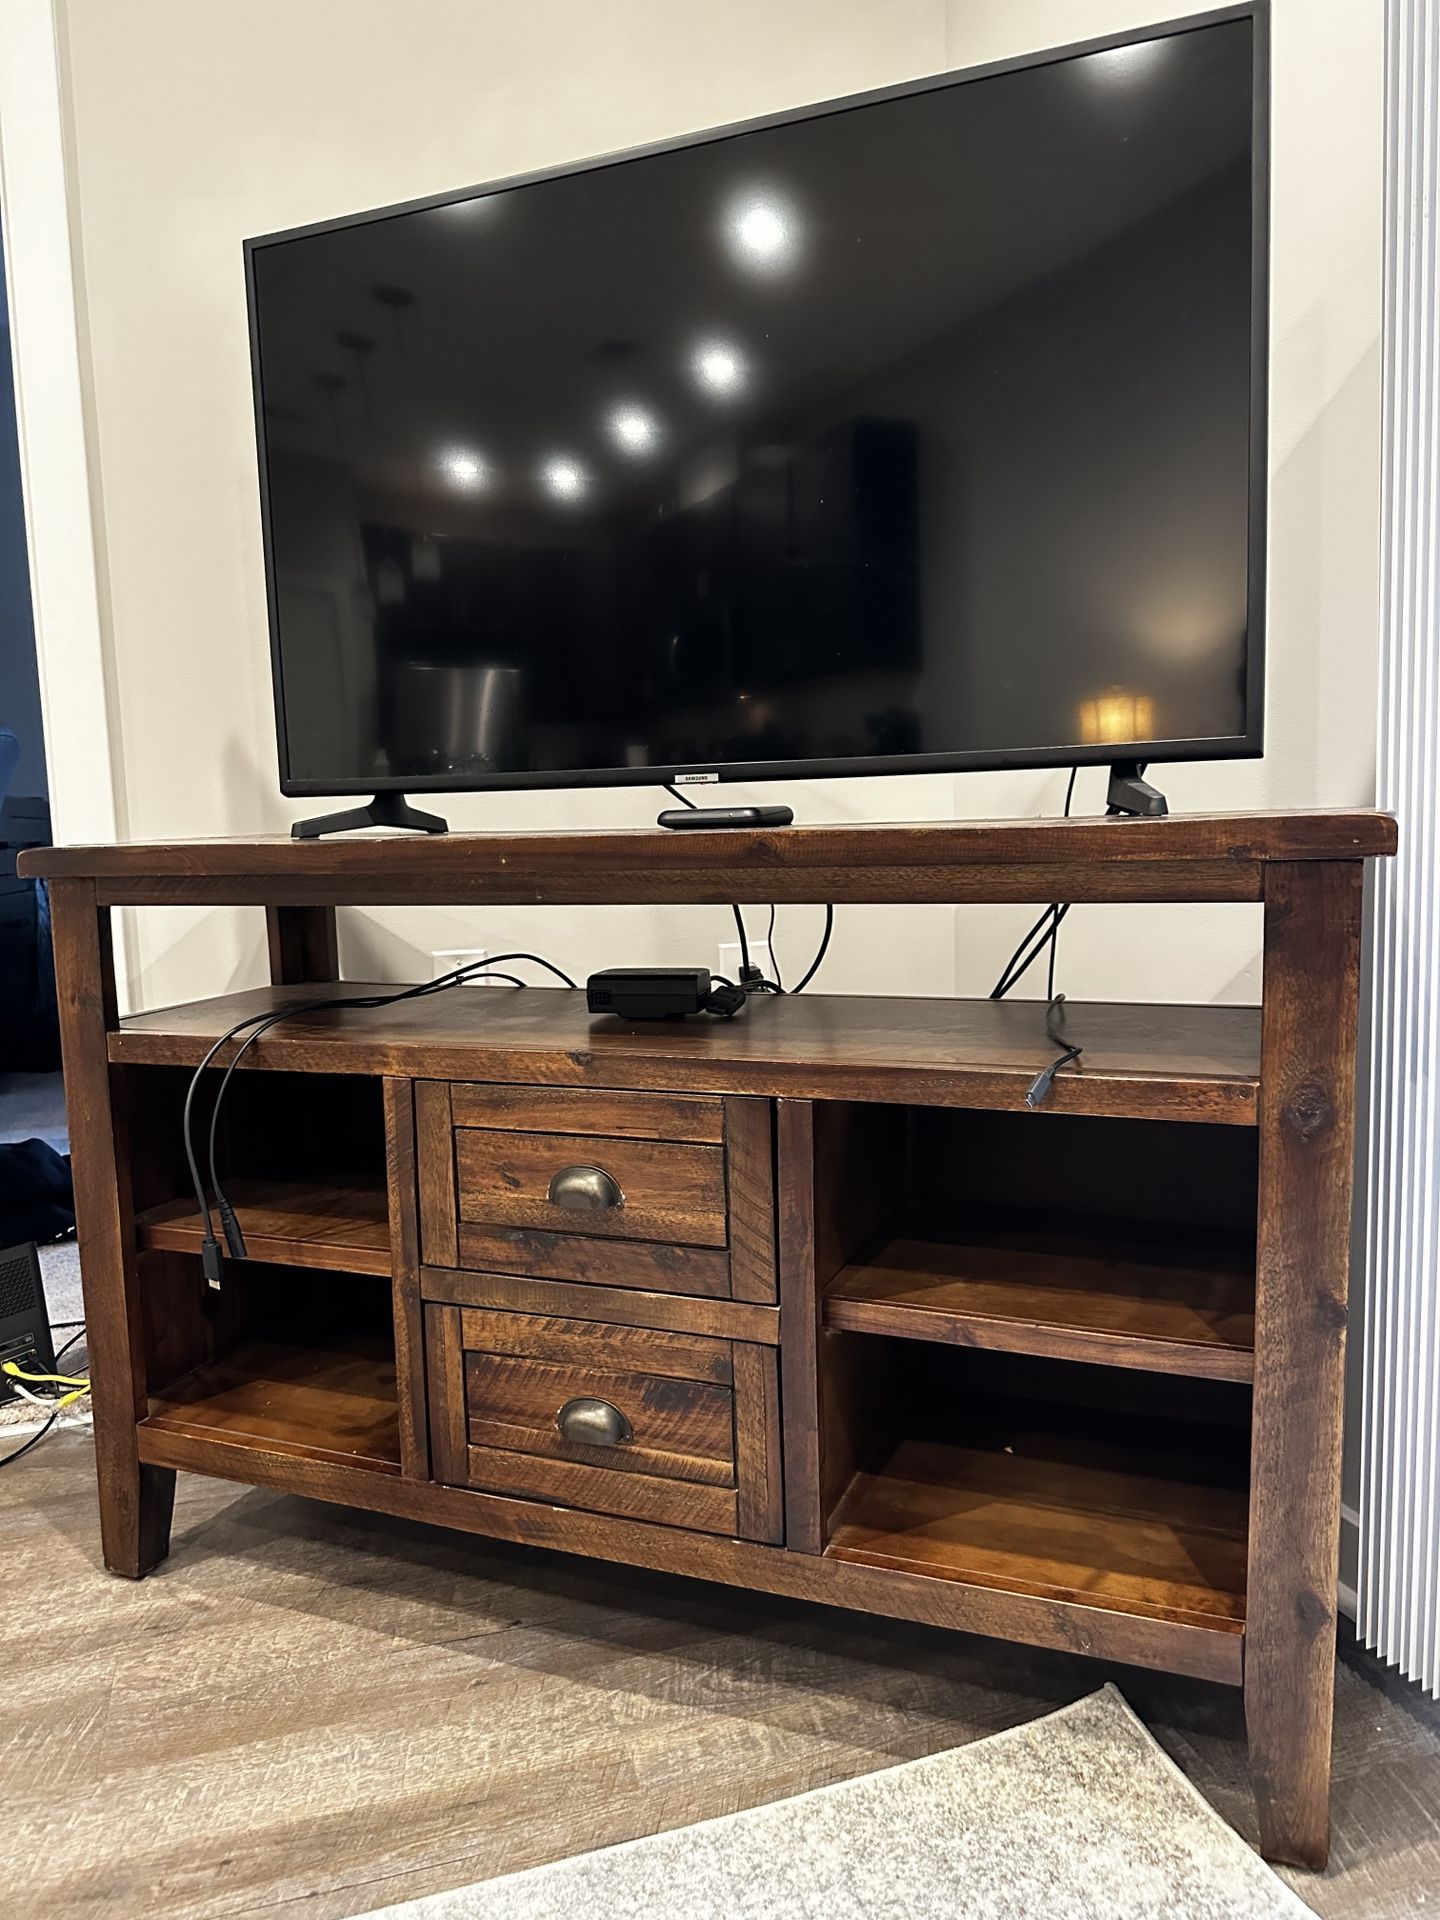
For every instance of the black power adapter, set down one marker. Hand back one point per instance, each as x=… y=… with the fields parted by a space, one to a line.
x=661 y=993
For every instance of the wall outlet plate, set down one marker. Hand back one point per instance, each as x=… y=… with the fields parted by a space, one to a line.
x=760 y=956
x=447 y=959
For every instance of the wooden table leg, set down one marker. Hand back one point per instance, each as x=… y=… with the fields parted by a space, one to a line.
x=135 y=1501
x=1307 y=1112
x=303 y=944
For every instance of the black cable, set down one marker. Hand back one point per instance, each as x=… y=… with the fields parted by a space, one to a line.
x=744 y=945
x=1052 y=915
x=260 y=1023
x=683 y=798
x=229 y=1225
x=1055 y=930
x=36 y=1438
x=774 y=957
x=1040 y=1086
x=814 y=967
x=1014 y=973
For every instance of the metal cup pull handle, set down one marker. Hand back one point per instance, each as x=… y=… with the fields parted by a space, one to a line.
x=585 y=1189
x=593 y=1423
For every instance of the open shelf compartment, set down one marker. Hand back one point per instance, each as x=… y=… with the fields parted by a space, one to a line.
x=1126 y=1243
x=301 y=1156
x=295 y=1361
x=978 y=1468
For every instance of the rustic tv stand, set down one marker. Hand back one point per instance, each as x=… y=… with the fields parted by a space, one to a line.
x=804 y=1301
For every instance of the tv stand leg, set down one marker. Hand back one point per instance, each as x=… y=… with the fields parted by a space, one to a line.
x=385 y=810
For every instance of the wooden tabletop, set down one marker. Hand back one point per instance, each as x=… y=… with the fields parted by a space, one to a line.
x=1180 y=1063
x=1180 y=857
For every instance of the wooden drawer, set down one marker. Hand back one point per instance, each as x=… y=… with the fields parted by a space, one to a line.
x=671 y=1427
x=615 y=1115
x=661 y=1192
x=648 y=1189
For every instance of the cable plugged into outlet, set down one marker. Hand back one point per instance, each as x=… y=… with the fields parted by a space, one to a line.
x=732 y=961
x=450 y=959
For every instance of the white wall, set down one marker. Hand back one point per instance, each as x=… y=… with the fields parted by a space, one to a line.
x=191 y=126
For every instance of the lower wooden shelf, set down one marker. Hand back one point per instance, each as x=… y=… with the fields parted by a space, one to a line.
x=1112 y=1526
x=334 y=1403
x=339 y=1225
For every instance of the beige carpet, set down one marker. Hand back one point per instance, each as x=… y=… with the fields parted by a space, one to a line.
x=1079 y=1815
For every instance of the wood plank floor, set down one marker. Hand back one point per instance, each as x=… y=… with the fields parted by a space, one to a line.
x=315 y=1712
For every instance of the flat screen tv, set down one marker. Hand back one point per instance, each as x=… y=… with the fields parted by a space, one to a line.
x=917 y=431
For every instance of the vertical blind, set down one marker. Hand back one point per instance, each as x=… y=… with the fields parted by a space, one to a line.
x=1398 y=1595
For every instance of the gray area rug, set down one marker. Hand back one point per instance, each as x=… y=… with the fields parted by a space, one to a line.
x=1076 y=1816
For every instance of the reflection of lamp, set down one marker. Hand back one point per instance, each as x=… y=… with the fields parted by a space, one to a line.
x=1117 y=717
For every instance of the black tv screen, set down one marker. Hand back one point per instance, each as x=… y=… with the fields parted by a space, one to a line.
x=923 y=430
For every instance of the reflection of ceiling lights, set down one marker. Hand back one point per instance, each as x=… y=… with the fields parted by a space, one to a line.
x=464 y=469
x=718 y=367
x=563 y=477
x=763 y=231
x=634 y=430
x=1120 y=66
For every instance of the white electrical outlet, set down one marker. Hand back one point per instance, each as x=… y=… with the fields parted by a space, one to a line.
x=760 y=956
x=447 y=959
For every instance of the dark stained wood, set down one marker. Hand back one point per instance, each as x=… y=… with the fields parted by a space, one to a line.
x=1209 y=1652
x=445 y=1388
x=683 y=1429
x=799 y=1325
x=136 y=1500
x=1153 y=882
x=861 y=1158
x=750 y=1193
x=1086 y=1523
x=297 y=1223
x=677 y=1469
x=678 y=1313
x=1307 y=1147
x=1193 y=1320
x=652 y=1265
x=1184 y=857
x=402 y=1205
x=761 y=1509
x=884 y=1693
x=1046 y=1543
x=435 y=1171
x=303 y=944
x=636 y=1496
x=1147 y=1062
x=670 y=1191
x=600 y=1110
x=313 y=1402
x=579 y=1343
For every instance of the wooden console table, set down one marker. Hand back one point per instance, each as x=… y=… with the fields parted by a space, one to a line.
x=849 y=1322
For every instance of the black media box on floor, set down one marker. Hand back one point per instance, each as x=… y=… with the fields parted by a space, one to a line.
x=649 y=993
x=24 y=1322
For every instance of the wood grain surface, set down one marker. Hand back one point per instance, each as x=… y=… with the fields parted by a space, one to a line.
x=1307 y=1157
x=1149 y=1062
x=315 y=1713
x=1184 y=856
x=669 y=1190
x=677 y=1312
x=1183 y=1318
x=341 y=1225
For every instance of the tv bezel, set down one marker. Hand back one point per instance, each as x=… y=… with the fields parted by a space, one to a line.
x=1247 y=745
